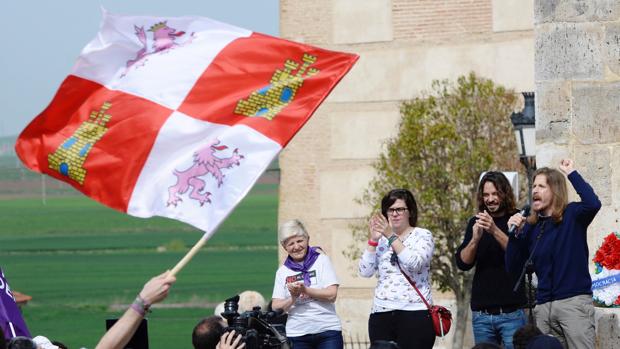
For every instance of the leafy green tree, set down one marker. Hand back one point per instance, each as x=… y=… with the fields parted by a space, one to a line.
x=446 y=139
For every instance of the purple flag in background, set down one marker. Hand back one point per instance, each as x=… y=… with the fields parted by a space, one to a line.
x=11 y=321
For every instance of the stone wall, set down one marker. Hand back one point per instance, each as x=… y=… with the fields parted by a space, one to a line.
x=577 y=70
x=403 y=46
x=437 y=20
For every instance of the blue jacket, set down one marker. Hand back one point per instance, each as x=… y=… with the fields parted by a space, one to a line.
x=561 y=257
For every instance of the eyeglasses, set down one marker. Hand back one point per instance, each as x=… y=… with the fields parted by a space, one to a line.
x=398 y=210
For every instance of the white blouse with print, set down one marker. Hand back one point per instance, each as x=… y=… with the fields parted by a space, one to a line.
x=393 y=291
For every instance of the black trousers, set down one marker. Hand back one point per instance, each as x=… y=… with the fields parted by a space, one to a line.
x=410 y=329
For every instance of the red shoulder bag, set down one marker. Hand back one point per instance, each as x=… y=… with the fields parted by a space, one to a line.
x=442 y=317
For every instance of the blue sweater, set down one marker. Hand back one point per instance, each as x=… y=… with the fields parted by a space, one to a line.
x=561 y=257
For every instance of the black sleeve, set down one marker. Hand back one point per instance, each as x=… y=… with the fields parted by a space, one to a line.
x=468 y=234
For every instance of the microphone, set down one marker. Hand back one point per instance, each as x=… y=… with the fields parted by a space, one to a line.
x=524 y=212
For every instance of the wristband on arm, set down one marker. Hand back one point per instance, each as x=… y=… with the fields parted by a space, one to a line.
x=140 y=306
x=391 y=239
x=373 y=243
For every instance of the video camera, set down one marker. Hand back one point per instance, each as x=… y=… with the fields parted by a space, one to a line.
x=257 y=328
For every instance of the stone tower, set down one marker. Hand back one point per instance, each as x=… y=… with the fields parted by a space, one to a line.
x=577 y=72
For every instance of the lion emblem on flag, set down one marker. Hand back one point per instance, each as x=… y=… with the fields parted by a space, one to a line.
x=164 y=39
x=205 y=162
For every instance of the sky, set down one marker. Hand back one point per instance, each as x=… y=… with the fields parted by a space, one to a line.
x=43 y=38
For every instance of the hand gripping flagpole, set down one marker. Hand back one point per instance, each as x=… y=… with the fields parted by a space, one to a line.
x=189 y=255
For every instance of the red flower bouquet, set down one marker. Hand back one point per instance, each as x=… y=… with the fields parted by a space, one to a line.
x=608 y=255
x=606 y=278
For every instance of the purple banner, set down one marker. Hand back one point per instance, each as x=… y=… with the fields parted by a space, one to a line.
x=11 y=321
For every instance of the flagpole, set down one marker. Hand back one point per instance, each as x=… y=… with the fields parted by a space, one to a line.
x=190 y=254
x=43 y=190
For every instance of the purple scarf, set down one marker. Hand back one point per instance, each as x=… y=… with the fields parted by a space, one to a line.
x=304 y=267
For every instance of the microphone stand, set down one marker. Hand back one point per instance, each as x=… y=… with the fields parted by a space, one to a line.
x=528 y=268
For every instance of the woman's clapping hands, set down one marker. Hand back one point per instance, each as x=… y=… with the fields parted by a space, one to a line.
x=378 y=226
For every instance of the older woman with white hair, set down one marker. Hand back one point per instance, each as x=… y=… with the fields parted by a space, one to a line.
x=306 y=287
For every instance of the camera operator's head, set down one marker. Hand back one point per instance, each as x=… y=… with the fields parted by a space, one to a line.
x=207 y=332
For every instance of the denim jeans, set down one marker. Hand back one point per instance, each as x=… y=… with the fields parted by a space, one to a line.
x=323 y=340
x=497 y=328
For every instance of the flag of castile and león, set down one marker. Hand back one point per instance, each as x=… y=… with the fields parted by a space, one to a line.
x=177 y=117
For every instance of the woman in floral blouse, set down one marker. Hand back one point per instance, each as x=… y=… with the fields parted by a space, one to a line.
x=398 y=313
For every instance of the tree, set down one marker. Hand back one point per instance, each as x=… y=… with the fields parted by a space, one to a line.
x=446 y=139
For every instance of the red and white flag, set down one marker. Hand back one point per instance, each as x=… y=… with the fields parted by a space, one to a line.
x=177 y=117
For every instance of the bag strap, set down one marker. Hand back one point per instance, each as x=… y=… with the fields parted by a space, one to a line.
x=412 y=284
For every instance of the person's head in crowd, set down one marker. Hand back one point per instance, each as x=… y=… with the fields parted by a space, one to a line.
x=549 y=194
x=250 y=299
x=524 y=334
x=407 y=197
x=495 y=194
x=294 y=239
x=485 y=345
x=384 y=345
x=207 y=332
x=219 y=309
x=21 y=343
x=544 y=341
x=44 y=343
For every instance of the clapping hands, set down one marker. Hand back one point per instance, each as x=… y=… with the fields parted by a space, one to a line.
x=378 y=226
x=484 y=222
x=296 y=289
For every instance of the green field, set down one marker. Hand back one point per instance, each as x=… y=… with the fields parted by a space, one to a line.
x=76 y=258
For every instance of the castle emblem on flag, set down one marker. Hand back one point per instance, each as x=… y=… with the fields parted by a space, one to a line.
x=205 y=162
x=164 y=39
x=271 y=99
x=69 y=157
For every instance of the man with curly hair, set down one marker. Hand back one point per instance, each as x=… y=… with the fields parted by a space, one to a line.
x=496 y=310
